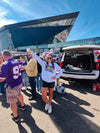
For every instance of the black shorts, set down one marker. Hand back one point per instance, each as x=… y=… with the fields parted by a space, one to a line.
x=49 y=85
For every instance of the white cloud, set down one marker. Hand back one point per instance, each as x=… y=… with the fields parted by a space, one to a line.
x=22 y=10
x=3 y=19
x=6 y=1
x=2 y=13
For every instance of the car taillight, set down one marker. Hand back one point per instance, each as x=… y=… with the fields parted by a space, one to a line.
x=97 y=65
x=61 y=64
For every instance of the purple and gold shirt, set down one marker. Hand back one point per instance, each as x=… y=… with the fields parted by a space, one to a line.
x=10 y=70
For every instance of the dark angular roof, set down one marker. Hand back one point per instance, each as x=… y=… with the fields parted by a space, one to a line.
x=43 y=20
x=41 y=31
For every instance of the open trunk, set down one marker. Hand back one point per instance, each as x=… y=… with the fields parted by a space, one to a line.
x=79 y=63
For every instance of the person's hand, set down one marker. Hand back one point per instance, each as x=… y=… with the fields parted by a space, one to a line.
x=53 y=78
x=29 y=51
x=23 y=68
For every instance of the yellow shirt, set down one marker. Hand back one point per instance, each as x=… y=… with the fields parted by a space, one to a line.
x=0 y=63
x=31 y=68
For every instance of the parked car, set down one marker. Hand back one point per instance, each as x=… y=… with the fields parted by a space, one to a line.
x=98 y=58
x=80 y=62
x=97 y=53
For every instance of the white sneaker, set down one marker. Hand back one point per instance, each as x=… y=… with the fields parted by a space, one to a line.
x=46 y=107
x=50 y=109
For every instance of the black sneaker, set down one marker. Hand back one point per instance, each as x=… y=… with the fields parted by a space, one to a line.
x=22 y=107
x=16 y=119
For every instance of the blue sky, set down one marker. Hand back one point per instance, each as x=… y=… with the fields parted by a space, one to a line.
x=87 y=24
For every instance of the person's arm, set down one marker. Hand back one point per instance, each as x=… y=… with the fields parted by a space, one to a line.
x=2 y=79
x=37 y=58
x=59 y=71
x=3 y=73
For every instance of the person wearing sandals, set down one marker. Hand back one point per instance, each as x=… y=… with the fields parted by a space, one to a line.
x=10 y=71
x=49 y=69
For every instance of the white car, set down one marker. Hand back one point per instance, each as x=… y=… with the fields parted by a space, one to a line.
x=80 y=62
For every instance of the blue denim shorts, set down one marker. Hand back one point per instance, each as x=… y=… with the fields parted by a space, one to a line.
x=49 y=85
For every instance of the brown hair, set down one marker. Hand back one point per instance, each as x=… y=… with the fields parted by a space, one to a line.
x=23 y=57
x=47 y=61
x=6 y=53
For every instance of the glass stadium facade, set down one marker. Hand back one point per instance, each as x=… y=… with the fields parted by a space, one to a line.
x=56 y=46
x=37 y=34
x=95 y=40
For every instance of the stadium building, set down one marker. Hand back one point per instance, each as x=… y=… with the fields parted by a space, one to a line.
x=40 y=34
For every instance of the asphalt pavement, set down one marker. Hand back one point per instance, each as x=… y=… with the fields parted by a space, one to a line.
x=78 y=111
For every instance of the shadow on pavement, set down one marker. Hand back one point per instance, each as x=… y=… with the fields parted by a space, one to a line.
x=83 y=87
x=29 y=121
x=27 y=92
x=68 y=115
x=4 y=101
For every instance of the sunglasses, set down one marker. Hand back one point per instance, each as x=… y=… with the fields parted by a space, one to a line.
x=49 y=58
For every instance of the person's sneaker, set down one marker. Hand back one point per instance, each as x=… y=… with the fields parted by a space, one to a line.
x=46 y=107
x=50 y=109
x=22 y=107
x=16 y=119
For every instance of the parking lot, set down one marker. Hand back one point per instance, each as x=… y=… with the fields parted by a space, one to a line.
x=78 y=111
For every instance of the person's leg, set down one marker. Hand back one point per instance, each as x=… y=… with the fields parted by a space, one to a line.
x=44 y=97
x=44 y=94
x=11 y=95
x=50 y=100
x=40 y=81
x=22 y=75
x=25 y=79
x=13 y=107
x=21 y=100
x=34 y=86
x=37 y=81
x=2 y=86
x=51 y=88
x=32 y=81
x=50 y=95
